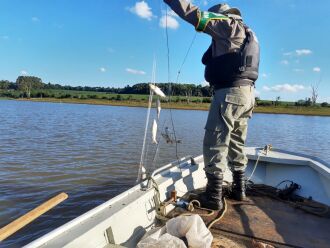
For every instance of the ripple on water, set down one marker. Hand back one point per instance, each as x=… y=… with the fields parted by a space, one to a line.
x=92 y=153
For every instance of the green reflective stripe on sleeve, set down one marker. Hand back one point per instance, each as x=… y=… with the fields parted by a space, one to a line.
x=202 y=22
x=205 y=17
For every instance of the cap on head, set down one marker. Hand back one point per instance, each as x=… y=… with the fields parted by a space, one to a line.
x=224 y=8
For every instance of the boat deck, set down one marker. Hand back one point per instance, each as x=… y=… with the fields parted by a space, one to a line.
x=269 y=221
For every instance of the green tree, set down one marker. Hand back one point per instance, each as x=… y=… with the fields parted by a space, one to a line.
x=256 y=101
x=118 y=97
x=4 y=84
x=315 y=94
x=27 y=83
x=277 y=102
x=308 y=102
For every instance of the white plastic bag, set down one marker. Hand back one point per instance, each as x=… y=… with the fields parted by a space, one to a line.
x=193 y=228
x=159 y=238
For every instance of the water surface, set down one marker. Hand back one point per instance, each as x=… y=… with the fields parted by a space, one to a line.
x=92 y=152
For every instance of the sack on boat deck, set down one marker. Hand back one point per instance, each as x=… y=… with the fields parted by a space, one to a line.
x=191 y=227
x=159 y=238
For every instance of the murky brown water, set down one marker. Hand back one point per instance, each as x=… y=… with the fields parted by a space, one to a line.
x=92 y=152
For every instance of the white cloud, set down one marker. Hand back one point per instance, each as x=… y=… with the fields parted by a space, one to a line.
x=257 y=93
x=284 y=62
x=287 y=54
x=23 y=72
x=316 y=69
x=298 y=70
x=264 y=75
x=170 y=13
x=291 y=88
x=134 y=71
x=170 y=21
x=102 y=69
x=205 y=83
x=35 y=19
x=298 y=52
x=142 y=9
x=5 y=37
x=301 y=52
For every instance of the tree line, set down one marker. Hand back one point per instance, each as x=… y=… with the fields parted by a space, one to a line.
x=26 y=84
x=31 y=86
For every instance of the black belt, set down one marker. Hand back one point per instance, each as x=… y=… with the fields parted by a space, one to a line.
x=236 y=83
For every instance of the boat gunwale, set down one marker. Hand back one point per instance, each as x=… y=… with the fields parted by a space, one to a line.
x=319 y=165
x=98 y=209
x=252 y=153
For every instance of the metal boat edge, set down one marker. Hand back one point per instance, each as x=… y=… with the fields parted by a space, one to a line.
x=125 y=218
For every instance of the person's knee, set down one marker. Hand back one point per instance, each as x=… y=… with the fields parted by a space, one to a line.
x=214 y=167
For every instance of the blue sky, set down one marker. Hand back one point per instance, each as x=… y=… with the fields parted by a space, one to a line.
x=113 y=43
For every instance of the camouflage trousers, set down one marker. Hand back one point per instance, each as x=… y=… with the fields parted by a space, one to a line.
x=226 y=128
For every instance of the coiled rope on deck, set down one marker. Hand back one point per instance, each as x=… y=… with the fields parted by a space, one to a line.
x=194 y=204
x=310 y=207
x=191 y=207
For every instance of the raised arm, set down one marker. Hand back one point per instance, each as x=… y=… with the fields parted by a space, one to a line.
x=185 y=10
x=203 y=21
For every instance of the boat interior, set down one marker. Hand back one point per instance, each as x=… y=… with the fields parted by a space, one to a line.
x=288 y=206
x=267 y=219
x=281 y=214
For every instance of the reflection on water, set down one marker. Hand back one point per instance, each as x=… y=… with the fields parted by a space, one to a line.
x=92 y=152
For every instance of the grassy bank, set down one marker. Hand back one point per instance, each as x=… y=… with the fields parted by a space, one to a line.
x=294 y=110
x=128 y=103
x=140 y=101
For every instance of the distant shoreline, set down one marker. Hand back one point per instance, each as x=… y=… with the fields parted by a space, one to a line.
x=291 y=110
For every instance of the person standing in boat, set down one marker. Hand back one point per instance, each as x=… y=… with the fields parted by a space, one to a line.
x=231 y=67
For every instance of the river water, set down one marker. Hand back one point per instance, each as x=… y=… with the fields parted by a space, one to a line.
x=92 y=153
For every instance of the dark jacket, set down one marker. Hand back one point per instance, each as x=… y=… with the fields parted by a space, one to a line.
x=228 y=36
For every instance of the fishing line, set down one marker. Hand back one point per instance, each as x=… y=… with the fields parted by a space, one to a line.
x=156 y=155
x=170 y=84
x=144 y=151
x=142 y=158
x=177 y=77
x=153 y=81
x=168 y=49
x=185 y=57
x=169 y=77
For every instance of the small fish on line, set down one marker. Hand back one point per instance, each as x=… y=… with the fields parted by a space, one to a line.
x=157 y=90
x=154 y=132
x=158 y=108
x=169 y=137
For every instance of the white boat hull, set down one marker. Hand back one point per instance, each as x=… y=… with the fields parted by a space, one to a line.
x=125 y=218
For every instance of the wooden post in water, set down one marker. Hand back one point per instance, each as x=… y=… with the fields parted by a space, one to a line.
x=22 y=221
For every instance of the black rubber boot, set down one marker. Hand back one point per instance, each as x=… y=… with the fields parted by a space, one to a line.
x=212 y=197
x=238 y=186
